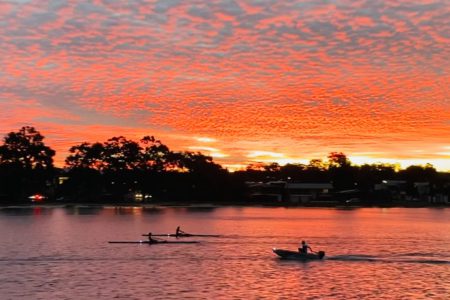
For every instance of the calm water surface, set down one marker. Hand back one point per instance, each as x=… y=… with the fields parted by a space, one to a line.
x=371 y=253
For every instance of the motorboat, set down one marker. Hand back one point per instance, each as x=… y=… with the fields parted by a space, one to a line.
x=296 y=255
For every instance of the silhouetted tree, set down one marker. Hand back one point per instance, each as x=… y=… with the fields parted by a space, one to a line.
x=368 y=175
x=272 y=167
x=419 y=173
x=26 y=165
x=118 y=160
x=26 y=149
x=293 y=172
x=317 y=164
x=337 y=159
x=87 y=156
x=257 y=166
x=121 y=154
x=157 y=156
x=206 y=179
x=197 y=162
x=342 y=174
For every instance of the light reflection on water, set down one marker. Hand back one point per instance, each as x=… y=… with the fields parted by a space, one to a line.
x=62 y=253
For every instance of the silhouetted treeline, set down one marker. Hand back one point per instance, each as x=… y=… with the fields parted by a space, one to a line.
x=354 y=181
x=115 y=170
x=120 y=170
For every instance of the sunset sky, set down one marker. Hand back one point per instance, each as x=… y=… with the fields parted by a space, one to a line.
x=243 y=81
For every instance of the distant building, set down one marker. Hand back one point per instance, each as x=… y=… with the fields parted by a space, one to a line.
x=394 y=189
x=439 y=199
x=422 y=191
x=307 y=192
x=391 y=185
x=271 y=191
x=291 y=192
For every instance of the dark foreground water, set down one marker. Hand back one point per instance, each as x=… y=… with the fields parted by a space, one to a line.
x=371 y=253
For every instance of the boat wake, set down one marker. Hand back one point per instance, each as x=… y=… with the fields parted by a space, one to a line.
x=353 y=257
x=389 y=259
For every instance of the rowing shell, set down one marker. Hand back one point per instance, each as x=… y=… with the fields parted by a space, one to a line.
x=148 y=242
x=184 y=235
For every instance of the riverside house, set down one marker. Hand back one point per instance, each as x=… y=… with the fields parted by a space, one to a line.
x=290 y=192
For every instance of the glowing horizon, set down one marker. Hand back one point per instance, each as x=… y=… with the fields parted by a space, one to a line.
x=244 y=82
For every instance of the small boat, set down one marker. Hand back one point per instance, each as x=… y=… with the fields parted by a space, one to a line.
x=153 y=242
x=184 y=235
x=295 y=255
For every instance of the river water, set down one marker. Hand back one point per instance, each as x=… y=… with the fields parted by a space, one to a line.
x=371 y=253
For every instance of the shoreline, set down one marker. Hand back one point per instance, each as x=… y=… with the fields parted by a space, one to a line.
x=214 y=205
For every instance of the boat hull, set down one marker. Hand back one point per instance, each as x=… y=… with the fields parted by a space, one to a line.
x=294 y=255
x=153 y=243
x=184 y=235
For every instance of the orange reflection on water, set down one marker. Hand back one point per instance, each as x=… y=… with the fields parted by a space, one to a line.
x=128 y=210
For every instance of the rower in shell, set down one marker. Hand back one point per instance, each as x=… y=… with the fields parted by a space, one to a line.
x=151 y=240
x=179 y=232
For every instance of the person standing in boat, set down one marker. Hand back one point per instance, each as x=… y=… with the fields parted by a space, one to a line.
x=304 y=248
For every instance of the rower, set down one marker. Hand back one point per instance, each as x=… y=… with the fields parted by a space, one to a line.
x=150 y=239
x=179 y=232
